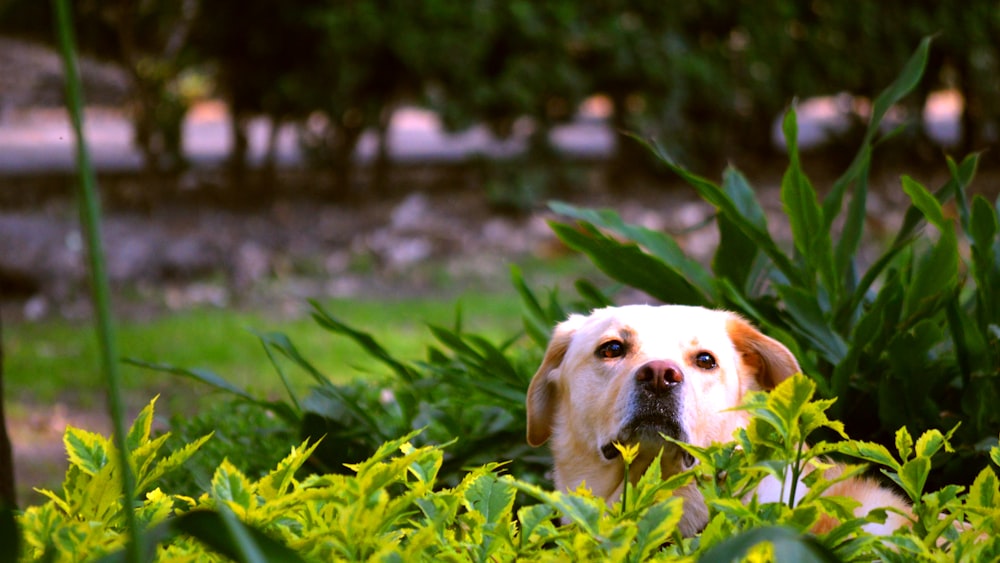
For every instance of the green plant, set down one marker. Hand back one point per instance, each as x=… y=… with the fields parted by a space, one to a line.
x=394 y=506
x=912 y=339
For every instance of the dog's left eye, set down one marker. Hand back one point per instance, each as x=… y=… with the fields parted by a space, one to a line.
x=610 y=350
x=704 y=360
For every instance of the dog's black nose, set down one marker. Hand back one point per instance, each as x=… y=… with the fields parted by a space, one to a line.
x=659 y=375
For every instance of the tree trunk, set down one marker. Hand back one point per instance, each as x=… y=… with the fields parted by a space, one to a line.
x=8 y=494
x=382 y=165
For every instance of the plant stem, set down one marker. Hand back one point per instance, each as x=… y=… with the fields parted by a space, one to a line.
x=91 y=219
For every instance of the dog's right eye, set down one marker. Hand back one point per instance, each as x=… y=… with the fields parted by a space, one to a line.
x=610 y=350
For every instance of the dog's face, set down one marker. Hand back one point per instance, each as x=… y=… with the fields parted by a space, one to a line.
x=630 y=374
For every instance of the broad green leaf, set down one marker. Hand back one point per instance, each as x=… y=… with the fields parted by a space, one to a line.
x=655 y=527
x=913 y=476
x=229 y=484
x=536 y=518
x=985 y=490
x=579 y=507
x=930 y=442
x=491 y=497
x=787 y=545
x=789 y=399
x=87 y=450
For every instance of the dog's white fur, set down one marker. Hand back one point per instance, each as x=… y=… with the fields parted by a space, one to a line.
x=582 y=401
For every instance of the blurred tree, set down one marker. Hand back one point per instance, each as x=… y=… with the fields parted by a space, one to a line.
x=266 y=60
x=151 y=39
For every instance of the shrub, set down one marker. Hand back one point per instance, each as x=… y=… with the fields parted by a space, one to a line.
x=911 y=339
x=393 y=507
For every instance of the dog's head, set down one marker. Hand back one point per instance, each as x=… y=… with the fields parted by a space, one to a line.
x=630 y=374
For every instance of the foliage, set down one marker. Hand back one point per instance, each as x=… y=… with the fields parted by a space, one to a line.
x=355 y=418
x=913 y=337
x=393 y=505
x=251 y=437
x=697 y=75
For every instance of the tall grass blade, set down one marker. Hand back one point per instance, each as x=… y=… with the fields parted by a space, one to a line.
x=91 y=219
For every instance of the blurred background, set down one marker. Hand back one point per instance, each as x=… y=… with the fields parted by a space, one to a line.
x=390 y=156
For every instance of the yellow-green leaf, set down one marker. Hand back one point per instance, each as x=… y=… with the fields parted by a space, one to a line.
x=139 y=432
x=276 y=482
x=229 y=484
x=86 y=450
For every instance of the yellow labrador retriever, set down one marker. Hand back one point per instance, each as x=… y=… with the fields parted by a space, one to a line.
x=629 y=374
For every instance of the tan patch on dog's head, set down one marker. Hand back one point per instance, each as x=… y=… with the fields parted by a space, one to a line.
x=542 y=394
x=766 y=359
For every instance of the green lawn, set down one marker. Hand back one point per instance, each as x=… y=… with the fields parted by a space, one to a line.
x=57 y=360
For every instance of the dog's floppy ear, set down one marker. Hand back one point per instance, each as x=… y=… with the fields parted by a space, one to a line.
x=542 y=394
x=769 y=360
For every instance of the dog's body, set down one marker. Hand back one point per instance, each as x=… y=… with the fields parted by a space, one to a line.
x=630 y=374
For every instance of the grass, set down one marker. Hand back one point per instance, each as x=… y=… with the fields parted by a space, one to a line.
x=57 y=360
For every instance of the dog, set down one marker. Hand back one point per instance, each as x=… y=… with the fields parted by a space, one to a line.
x=632 y=374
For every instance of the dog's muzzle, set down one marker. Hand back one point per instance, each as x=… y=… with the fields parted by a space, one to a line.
x=654 y=409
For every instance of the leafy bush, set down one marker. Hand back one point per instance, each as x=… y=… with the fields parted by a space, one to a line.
x=394 y=507
x=911 y=339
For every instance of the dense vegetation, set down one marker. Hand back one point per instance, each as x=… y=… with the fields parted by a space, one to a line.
x=413 y=469
x=699 y=76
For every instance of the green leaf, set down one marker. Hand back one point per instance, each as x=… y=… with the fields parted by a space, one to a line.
x=788 y=545
x=868 y=451
x=913 y=476
x=277 y=481
x=171 y=462
x=628 y=264
x=139 y=431
x=930 y=442
x=86 y=450
x=212 y=379
x=985 y=490
x=926 y=202
x=904 y=443
x=655 y=243
x=803 y=210
x=904 y=83
x=655 y=527
x=229 y=484
x=536 y=518
x=232 y=538
x=365 y=340
x=491 y=497
x=805 y=310
x=714 y=195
